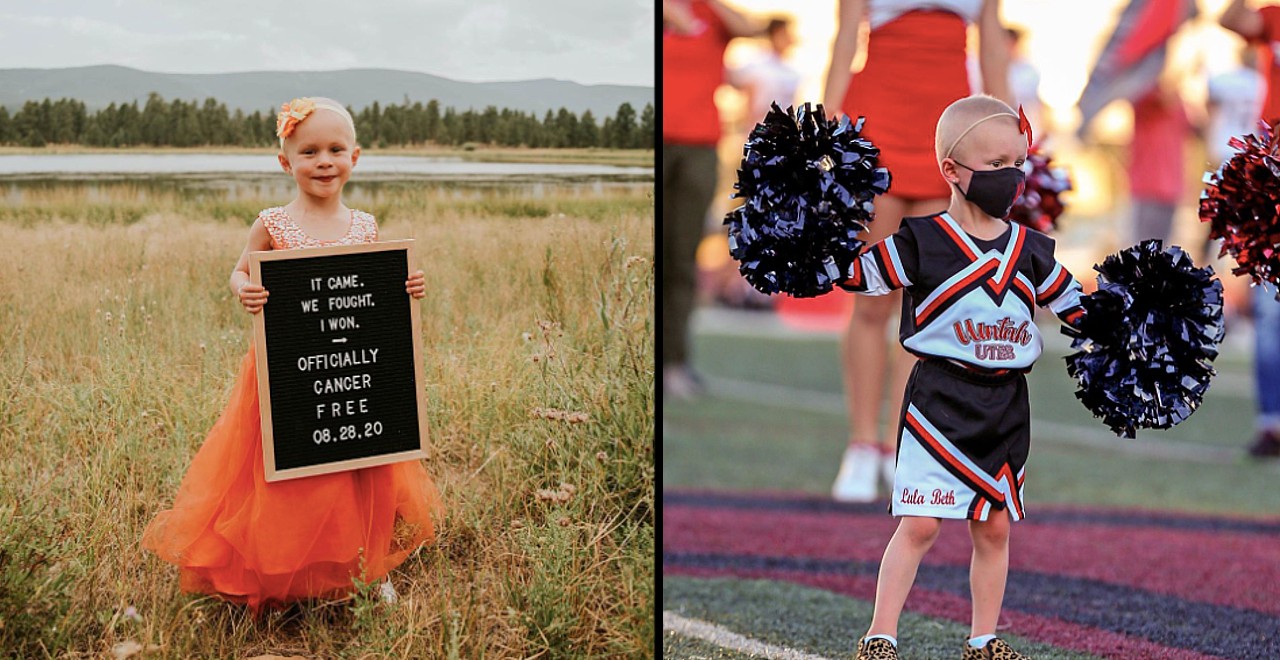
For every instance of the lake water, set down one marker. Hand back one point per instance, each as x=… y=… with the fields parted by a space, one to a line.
x=258 y=176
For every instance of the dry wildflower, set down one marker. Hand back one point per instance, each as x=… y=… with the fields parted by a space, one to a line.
x=560 y=415
x=636 y=259
x=131 y=613
x=560 y=496
x=108 y=317
x=601 y=456
x=130 y=648
x=548 y=495
x=527 y=336
x=564 y=522
x=126 y=649
x=517 y=524
x=202 y=347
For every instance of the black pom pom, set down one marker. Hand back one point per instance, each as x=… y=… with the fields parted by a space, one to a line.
x=1242 y=206
x=1147 y=339
x=1040 y=204
x=808 y=184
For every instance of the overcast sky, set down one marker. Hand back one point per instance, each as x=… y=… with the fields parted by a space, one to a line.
x=586 y=41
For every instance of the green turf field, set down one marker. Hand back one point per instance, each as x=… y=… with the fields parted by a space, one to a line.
x=775 y=420
x=797 y=617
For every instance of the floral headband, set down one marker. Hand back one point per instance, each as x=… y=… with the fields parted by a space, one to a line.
x=293 y=112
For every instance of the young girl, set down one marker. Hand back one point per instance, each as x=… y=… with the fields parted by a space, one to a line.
x=915 y=65
x=972 y=282
x=230 y=532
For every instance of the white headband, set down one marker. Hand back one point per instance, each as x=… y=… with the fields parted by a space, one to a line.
x=971 y=127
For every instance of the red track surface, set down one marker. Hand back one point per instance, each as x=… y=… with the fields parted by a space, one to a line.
x=1239 y=569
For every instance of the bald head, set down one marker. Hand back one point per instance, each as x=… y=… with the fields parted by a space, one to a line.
x=972 y=120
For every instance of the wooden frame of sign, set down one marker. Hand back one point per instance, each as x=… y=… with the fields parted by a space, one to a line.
x=339 y=358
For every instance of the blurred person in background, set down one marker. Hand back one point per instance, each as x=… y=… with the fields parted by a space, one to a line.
x=1157 y=167
x=1234 y=104
x=915 y=67
x=1261 y=28
x=769 y=78
x=764 y=80
x=695 y=34
x=1024 y=82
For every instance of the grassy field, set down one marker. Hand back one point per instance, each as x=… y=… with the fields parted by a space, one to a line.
x=120 y=342
x=620 y=157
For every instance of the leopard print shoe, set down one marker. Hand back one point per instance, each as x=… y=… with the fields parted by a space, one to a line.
x=876 y=649
x=996 y=649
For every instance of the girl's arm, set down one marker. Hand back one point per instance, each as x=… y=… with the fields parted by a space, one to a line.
x=251 y=295
x=993 y=53
x=735 y=22
x=892 y=263
x=843 y=50
x=1060 y=293
x=678 y=16
x=1242 y=20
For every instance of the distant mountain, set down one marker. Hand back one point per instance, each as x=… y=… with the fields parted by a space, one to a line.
x=99 y=86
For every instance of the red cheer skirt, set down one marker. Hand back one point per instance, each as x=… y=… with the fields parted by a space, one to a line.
x=915 y=68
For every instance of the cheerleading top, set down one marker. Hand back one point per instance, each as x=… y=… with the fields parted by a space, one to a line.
x=968 y=300
x=692 y=69
x=883 y=11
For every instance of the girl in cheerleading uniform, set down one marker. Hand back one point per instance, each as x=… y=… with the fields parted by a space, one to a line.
x=915 y=66
x=972 y=281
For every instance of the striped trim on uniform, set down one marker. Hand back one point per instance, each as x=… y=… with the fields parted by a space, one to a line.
x=950 y=457
x=1003 y=491
x=1054 y=285
x=954 y=288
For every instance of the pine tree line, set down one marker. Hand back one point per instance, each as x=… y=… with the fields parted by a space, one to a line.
x=181 y=123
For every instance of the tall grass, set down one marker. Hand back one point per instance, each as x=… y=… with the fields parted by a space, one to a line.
x=118 y=345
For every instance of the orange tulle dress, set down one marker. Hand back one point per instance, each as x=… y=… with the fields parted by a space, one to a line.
x=234 y=535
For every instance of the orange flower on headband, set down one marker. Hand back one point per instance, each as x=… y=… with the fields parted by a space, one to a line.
x=291 y=114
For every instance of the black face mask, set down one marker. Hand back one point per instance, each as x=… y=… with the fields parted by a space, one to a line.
x=994 y=191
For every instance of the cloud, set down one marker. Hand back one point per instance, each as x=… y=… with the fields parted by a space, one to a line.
x=589 y=42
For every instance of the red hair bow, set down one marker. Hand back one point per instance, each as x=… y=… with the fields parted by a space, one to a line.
x=1024 y=125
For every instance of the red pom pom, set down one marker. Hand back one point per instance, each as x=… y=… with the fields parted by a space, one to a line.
x=1040 y=205
x=1242 y=206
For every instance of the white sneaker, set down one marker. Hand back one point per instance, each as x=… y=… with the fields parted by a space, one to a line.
x=888 y=465
x=856 y=481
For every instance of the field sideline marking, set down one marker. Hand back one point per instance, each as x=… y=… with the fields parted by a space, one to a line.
x=727 y=639
x=1072 y=434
